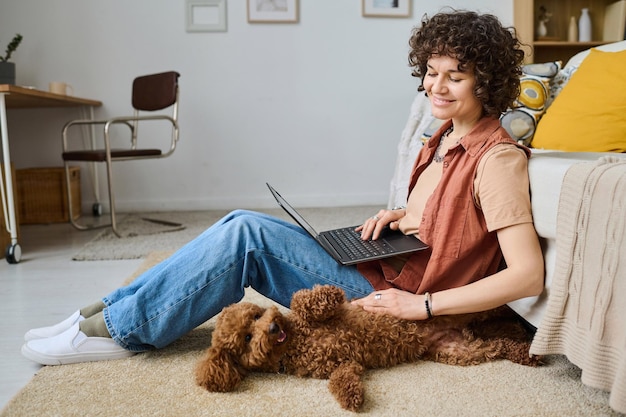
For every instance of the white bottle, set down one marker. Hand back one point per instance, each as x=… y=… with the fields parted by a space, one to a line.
x=584 y=26
x=572 y=33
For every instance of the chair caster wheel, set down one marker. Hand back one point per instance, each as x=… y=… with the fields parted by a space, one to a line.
x=96 y=209
x=13 y=253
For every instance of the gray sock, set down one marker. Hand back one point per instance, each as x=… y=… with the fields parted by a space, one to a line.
x=92 y=309
x=94 y=326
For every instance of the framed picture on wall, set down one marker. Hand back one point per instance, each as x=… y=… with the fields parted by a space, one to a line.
x=272 y=11
x=386 y=8
x=206 y=15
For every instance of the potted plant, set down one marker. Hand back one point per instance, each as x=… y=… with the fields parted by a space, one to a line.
x=7 y=69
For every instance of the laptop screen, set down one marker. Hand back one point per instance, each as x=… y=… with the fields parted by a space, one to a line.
x=292 y=212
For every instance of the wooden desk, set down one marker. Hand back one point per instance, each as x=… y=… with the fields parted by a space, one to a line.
x=21 y=97
x=12 y=96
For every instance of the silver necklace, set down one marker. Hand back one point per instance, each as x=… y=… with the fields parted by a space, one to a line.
x=438 y=158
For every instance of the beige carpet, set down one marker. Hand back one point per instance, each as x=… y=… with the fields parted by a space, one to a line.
x=140 y=237
x=161 y=383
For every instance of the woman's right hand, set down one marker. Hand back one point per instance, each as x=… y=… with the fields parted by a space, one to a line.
x=373 y=227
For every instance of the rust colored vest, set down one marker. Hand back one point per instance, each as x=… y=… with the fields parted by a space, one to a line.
x=462 y=250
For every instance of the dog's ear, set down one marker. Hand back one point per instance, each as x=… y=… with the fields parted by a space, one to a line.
x=218 y=372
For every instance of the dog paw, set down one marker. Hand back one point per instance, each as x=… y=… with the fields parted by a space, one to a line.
x=346 y=386
x=522 y=356
x=317 y=304
x=534 y=360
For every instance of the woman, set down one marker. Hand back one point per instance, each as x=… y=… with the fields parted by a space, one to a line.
x=469 y=200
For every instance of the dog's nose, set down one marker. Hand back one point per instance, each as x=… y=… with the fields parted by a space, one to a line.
x=274 y=328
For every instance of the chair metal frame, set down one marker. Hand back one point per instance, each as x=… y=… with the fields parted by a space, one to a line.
x=108 y=155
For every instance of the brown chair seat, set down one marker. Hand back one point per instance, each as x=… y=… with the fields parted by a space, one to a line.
x=100 y=155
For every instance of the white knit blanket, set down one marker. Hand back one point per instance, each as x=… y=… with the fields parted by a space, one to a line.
x=585 y=317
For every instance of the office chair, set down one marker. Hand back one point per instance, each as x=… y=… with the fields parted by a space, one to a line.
x=149 y=93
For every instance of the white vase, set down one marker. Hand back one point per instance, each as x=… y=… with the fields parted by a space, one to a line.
x=584 y=26
x=572 y=32
x=542 y=30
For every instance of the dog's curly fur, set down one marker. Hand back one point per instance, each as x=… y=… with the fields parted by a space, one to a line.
x=326 y=337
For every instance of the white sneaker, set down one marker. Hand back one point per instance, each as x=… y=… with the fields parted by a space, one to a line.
x=73 y=346
x=45 y=332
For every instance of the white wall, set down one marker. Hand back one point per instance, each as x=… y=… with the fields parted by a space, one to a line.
x=316 y=108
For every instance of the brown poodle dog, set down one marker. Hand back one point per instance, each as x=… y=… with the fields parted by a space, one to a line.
x=326 y=337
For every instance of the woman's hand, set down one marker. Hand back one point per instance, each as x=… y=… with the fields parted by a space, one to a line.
x=398 y=303
x=373 y=227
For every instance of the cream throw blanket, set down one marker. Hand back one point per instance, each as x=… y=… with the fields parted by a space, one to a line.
x=584 y=317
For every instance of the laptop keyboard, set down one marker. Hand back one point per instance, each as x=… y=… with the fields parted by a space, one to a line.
x=355 y=247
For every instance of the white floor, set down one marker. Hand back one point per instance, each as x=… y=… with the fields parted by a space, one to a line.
x=44 y=288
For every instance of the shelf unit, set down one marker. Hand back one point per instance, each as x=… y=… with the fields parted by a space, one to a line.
x=525 y=18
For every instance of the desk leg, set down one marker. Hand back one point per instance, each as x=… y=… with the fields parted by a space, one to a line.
x=13 y=252
x=88 y=113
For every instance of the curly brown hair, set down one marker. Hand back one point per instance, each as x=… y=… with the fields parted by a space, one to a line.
x=481 y=44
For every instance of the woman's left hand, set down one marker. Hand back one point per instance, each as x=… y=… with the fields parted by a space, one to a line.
x=398 y=303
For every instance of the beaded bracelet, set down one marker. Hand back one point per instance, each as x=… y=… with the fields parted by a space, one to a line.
x=428 y=302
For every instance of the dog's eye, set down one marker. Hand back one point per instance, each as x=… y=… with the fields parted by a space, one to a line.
x=256 y=317
x=248 y=338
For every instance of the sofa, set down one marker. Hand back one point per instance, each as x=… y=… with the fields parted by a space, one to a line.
x=575 y=124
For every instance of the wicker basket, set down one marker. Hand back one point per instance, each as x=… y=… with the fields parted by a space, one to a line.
x=43 y=195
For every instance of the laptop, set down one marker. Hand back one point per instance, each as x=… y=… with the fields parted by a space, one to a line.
x=346 y=246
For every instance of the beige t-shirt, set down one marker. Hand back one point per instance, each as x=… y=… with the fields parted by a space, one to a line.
x=500 y=189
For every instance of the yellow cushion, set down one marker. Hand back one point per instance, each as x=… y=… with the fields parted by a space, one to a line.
x=589 y=114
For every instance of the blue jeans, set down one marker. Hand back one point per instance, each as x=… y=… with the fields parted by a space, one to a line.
x=243 y=249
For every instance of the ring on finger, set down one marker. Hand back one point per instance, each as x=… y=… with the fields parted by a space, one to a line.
x=378 y=296
x=375 y=218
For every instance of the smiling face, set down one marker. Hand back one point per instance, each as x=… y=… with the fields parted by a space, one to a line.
x=451 y=91
x=254 y=336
